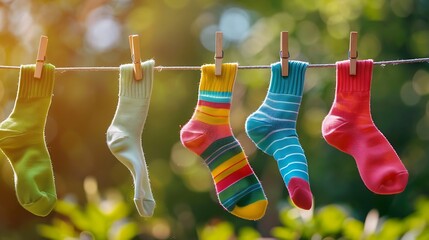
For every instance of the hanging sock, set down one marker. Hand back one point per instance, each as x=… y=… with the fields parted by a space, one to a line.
x=350 y=128
x=209 y=135
x=273 y=129
x=22 y=140
x=124 y=134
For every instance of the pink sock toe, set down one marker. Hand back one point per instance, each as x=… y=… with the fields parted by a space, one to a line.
x=393 y=184
x=300 y=193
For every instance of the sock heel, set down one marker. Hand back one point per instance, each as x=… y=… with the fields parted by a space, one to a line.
x=192 y=138
x=333 y=133
x=119 y=144
x=116 y=141
x=257 y=128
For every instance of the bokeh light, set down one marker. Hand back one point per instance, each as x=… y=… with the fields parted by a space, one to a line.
x=409 y=95
x=207 y=37
x=103 y=31
x=235 y=24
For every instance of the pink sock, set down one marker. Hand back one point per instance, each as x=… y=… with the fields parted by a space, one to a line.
x=349 y=127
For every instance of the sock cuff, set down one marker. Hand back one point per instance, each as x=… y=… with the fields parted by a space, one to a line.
x=292 y=84
x=30 y=87
x=129 y=87
x=223 y=83
x=360 y=82
x=218 y=87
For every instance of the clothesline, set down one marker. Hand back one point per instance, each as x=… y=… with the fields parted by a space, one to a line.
x=196 y=68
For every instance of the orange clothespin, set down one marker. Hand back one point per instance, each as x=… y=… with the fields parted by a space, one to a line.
x=41 y=56
x=135 y=55
x=353 y=53
x=284 y=53
x=218 y=54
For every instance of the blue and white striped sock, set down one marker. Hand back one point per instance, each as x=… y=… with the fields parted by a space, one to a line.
x=273 y=129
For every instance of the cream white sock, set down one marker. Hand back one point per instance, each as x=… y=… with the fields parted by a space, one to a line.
x=124 y=134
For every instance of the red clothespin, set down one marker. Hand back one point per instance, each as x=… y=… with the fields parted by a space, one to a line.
x=353 y=53
x=135 y=55
x=284 y=53
x=218 y=54
x=41 y=56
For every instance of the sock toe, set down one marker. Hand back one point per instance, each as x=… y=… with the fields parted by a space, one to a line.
x=393 y=183
x=145 y=207
x=254 y=211
x=43 y=206
x=300 y=193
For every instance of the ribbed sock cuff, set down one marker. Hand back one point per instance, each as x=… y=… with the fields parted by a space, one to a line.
x=292 y=84
x=218 y=85
x=129 y=87
x=361 y=82
x=30 y=87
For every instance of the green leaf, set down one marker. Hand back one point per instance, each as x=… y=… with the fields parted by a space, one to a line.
x=422 y=207
x=58 y=230
x=415 y=222
x=94 y=215
x=391 y=229
x=120 y=210
x=284 y=233
x=290 y=218
x=352 y=229
x=248 y=233
x=219 y=231
x=423 y=235
x=330 y=220
x=125 y=231
x=74 y=213
x=48 y=231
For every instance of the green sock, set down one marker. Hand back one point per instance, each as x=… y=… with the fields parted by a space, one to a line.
x=22 y=140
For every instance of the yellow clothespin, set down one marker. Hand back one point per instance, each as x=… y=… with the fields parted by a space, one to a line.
x=218 y=54
x=353 y=53
x=41 y=56
x=284 y=53
x=135 y=55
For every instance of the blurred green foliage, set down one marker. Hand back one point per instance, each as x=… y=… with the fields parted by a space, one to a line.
x=335 y=222
x=110 y=218
x=332 y=222
x=95 y=33
x=100 y=219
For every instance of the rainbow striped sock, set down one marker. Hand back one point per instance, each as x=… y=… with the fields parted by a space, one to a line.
x=209 y=135
x=273 y=129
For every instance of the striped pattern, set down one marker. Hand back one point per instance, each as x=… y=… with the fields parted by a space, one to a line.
x=273 y=129
x=213 y=113
x=273 y=126
x=209 y=135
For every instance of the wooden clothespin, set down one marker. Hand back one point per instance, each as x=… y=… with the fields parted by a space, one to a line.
x=218 y=54
x=41 y=56
x=353 y=53
x=135 y=55
x=284 y=53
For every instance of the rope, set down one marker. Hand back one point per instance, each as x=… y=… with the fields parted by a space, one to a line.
x=197 y=68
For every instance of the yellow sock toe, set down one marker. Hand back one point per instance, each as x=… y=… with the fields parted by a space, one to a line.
x=254 y=211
